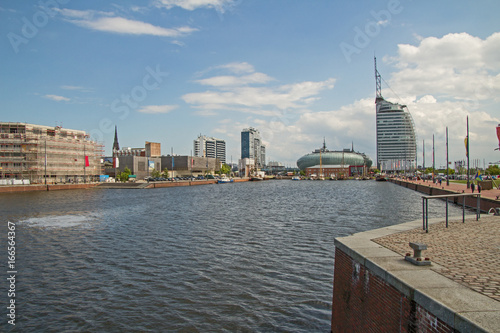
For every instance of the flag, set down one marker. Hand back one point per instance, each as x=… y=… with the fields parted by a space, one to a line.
x=116 y=162
x=498 y=135
x=478 y=175
x=466 y=148
x=87 y=161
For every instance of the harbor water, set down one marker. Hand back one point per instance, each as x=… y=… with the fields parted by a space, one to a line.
x=239 y=257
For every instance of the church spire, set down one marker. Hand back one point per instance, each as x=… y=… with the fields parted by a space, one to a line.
x=116 y=146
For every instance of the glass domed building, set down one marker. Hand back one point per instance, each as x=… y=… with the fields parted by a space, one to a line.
x=347 y=157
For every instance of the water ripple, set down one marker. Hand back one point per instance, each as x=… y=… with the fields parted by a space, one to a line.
x=244 y=257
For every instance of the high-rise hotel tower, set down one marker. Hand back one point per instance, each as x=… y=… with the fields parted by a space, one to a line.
x=396 y=138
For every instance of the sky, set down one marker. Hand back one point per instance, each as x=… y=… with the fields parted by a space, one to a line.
x=298 y=71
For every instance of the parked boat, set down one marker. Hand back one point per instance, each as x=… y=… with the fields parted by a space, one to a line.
x=295 y=178
x=224 y=179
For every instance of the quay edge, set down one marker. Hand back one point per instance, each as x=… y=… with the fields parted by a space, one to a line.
x=488 y=198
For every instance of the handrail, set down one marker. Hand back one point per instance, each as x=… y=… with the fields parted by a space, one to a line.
x=425 y=207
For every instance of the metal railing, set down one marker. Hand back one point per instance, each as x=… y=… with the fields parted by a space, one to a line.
x=425 y=207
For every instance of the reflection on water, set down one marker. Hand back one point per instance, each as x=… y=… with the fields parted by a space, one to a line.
x=233 y=257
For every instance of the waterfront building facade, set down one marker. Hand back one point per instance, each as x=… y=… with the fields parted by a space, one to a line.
x=252 y=147
x=356 y=163
x=396 y=137
x=246 y=167
x=47 y=154
x=190 y=165
x=329 y=171
x=139 y=165
x=210 y=147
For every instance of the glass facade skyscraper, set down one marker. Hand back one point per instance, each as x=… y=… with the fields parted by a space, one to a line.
x=252 y=146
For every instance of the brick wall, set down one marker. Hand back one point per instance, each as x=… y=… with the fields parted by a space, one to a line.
x=364 y=302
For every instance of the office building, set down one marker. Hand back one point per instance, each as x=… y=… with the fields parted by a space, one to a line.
x=210 y=147
x=252 y=147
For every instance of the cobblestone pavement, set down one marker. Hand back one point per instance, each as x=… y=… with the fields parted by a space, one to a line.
x=469 y=252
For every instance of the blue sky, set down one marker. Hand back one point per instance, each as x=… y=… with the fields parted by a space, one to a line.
x=299 y=71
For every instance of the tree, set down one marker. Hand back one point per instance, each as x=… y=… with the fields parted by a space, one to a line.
x=165 y=173
x=123 y=176
x=155 y=173
x=493 y=170
x=225 y=169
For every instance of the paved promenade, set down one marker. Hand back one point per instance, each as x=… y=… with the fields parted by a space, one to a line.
x=457 y=187
x=467 y=253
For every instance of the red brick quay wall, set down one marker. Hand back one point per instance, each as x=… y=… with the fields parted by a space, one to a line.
x=488 y=198
x=28 y=188
x=376 y=290
x=365 y=302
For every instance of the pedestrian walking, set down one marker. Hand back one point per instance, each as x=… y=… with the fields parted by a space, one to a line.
x=472 y=187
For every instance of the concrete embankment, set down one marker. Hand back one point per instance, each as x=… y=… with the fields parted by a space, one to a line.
x=52 y=187
x=376 y=289
x=489 y=198
x=163 y=184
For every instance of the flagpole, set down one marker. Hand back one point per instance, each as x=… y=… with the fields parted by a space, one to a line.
x=433 y=161
x=45 y=161
x=447 y=161
x=423 y=155
x=84 y=165
x=468 y=154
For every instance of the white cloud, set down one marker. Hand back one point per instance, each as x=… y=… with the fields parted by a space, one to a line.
x=155 y=109
x=232 y=92
x=456 y=66
x=228 y=81
x=105 y=21
x=72 y=87
x=219 y=5
x=238 y=67
x=57 y=98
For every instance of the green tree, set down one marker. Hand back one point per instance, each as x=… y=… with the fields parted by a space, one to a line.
x=428 y=170
x=155 y=173
x=165 y=173
x=123 y=176
x=225 y=169
x=493 y=170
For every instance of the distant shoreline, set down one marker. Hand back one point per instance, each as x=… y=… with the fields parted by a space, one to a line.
x=142 y=185
x=43 y=187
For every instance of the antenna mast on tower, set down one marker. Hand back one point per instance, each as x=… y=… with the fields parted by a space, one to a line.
x=378 y=81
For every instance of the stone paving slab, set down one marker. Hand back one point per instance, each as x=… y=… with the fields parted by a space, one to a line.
x=467 y=253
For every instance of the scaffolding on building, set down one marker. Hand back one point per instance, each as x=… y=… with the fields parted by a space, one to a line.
x=46 y=154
